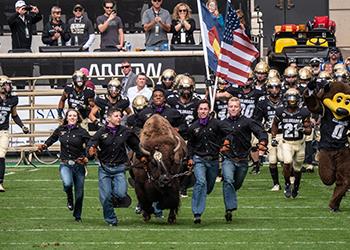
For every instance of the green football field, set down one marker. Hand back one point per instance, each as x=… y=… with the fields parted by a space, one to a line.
x=33 y=215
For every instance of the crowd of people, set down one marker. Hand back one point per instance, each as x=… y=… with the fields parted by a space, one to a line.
x=266 y=119
x=79 y=30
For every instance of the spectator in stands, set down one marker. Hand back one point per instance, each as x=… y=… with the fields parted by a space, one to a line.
x=140 y=88
x=8 y=106
x=111 y=27
x=80 y=29
x=182 y=25
x=55 y=32
x=334 y=57
x=129 y=79
x=212 y=6
x=156 y=22
x=21 y=25
x=73 y=140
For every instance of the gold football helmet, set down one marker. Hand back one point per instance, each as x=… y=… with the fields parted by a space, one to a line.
x=139 y=103
x=273 y=73
x=290 y=72
x=262 y=68
x=292 y=97
x=305 y=74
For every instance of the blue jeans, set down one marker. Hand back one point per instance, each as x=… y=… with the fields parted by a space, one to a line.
x=233 y=173
x=111 y=182
x=74 y=175
x=205 y=172
x=159 y=47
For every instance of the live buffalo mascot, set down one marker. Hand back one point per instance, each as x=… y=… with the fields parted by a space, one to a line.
x=332 y=102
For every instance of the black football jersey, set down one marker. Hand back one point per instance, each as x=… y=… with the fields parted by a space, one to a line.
x=220 y=108
x=104 y=104
x=248 y=101
x=292 y=123
x=5 y=111
x=265 y=112
x=186 y=110
x=79 y=101
x=333 y=131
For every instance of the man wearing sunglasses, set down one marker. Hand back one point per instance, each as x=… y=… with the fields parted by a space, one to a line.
x=55 y=32
x=111 y=27
x=81 y=29
x=156 y=22
x=334 y=57
x=129 y=79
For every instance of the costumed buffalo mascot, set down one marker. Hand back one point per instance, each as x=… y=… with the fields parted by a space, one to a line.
x=332 y=102
x=157 y=179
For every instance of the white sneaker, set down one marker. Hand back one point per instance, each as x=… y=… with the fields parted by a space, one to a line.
x=276 y=188
x=2 y=189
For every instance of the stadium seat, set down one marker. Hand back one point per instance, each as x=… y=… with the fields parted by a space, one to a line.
x=284 y=42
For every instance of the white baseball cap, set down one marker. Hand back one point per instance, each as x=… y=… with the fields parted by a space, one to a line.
x=20 y=4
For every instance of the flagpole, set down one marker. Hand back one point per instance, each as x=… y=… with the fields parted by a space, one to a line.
x=203 y=38
x=199 y=6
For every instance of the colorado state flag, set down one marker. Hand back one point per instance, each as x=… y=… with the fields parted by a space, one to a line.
x=212 y=36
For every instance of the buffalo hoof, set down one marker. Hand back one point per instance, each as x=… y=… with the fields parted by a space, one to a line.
x=171 y=221
x=146 y=217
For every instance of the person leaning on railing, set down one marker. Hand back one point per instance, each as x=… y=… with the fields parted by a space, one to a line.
x=182 y=25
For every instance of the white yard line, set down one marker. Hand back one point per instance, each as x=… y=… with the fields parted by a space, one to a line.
x=193 y=243
x=9 y=173
x=136 y=229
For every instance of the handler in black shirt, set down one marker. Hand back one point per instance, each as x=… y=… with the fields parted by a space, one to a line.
x=112 y=140
x=73 y=140
x=236 y=149
x=205 y=138
x=159 y=106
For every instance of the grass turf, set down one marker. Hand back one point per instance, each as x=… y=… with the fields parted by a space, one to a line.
x=33 y=214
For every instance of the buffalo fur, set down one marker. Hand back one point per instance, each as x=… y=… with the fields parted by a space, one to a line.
x=152 y=182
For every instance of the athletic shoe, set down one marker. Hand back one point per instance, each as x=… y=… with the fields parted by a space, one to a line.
x=78 y=220
x=228 y=216
x=287 y=191
x=334 y=210
x=276 y=187
x=2 y=189
x=309 y=168
x=70 y=204
x=113 y=224
x=138 y=209
x=295 y=193
x=255 y=170
x=183 y=193
x=197 y=219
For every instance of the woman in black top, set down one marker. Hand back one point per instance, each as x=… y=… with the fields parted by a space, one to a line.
x=73 y=140
x=182 y=25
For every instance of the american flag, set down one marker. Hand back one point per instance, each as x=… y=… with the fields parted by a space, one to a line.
x=237 y=51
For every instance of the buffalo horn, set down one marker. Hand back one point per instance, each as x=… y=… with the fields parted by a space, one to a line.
x=178 y=144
